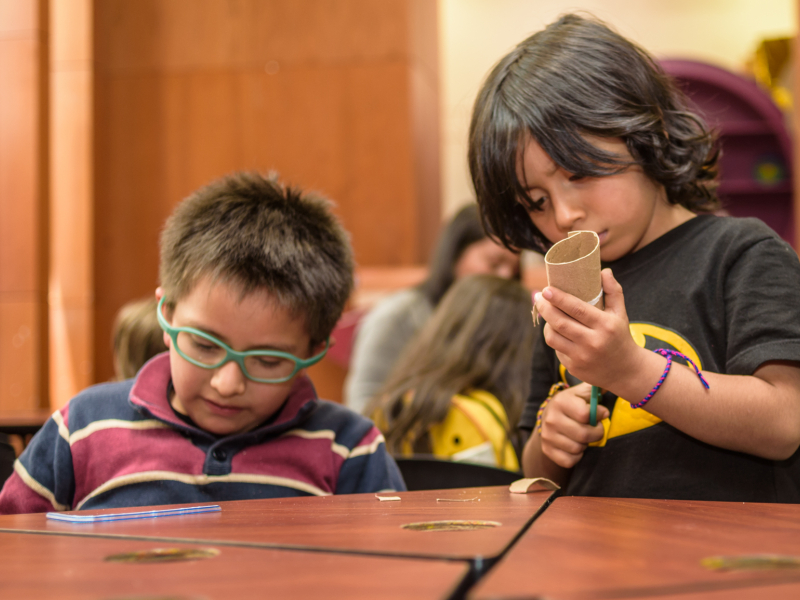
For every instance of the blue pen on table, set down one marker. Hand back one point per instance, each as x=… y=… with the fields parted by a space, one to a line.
x=145 y=514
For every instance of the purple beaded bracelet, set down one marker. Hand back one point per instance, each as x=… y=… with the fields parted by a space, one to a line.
x=668 y=354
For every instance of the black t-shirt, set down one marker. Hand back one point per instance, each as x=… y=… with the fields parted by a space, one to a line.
x=723 y=291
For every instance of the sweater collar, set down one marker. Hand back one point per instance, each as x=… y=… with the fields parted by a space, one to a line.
x=150 y=394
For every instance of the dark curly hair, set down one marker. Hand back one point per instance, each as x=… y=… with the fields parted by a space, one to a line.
x=574 y=79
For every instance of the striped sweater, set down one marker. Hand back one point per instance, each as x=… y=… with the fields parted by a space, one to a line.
x=121 y=444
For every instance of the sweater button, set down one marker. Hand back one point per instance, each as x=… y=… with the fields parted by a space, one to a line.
x=219 y=454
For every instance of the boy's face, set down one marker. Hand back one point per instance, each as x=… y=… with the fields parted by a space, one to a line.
x=223 y=401
x=627 y=210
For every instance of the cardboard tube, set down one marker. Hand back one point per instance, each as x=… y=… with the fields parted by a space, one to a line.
x=573 y=266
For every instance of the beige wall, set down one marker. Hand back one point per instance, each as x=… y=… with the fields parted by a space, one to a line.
x=474 y=34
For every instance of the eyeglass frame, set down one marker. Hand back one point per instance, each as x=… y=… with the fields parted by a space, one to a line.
x=235 y=355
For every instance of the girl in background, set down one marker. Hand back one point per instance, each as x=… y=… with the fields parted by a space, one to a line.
x=459 y=387
x=463 y=249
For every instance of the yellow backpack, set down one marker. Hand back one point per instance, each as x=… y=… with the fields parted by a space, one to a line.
x=475 y=430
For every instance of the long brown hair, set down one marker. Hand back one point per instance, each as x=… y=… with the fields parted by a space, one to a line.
x=479 y=337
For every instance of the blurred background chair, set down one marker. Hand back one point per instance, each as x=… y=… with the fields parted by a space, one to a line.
x=7 y=457
x=425 y=473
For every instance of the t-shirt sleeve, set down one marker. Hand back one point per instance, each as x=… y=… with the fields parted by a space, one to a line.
x=43 y=477
x=542 y=378
x=370 y=468
x=762 y=300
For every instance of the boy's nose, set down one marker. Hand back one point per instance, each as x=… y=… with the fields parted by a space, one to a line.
x=228 y=380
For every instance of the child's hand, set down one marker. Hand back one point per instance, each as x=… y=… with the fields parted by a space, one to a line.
x=594 y=345
x=565 y=430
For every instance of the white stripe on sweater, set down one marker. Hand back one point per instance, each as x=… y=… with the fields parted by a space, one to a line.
x=188 y=479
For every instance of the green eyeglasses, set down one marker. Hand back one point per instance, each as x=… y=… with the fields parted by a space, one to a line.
x=206 y=351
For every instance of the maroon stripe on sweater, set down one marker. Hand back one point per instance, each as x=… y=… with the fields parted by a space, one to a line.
x=371 y=436
x=111 y=453
x=19 y=498
x=308 y=460
x=64 y=410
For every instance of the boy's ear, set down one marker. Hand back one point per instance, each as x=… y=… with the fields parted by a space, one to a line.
x=320 y=347
x=164 y=334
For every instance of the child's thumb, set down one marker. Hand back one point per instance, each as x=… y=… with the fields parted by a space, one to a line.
x=612 y=292
x=602 y=413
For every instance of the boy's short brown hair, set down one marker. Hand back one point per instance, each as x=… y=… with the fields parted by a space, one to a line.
x=251 y=231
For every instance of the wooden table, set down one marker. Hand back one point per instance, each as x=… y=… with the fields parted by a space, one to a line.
x=53 y=566
x=598 y=548
x=357 y=523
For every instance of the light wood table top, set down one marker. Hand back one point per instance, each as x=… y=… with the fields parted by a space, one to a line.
x=593 y=548
x=53 y=566
x=357 y=523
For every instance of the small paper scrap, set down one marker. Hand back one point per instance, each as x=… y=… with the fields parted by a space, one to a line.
x=387 y=498
x=524 y=486
x=458 y=499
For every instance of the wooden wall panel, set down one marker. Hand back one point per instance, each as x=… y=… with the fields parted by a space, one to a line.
x=424 y=115
x=20 y=377
x=339 y=96
x=71 y=154
x=18 y=18
x=22 y=215
x=18 y=165
x=223 y=34
x=380 y=208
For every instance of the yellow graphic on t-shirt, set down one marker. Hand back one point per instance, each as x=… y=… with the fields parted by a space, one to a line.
x=624 y=419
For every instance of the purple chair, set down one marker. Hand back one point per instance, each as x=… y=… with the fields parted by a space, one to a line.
x=756 y=163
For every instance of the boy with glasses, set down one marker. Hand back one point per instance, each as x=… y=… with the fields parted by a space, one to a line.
x=254 y=277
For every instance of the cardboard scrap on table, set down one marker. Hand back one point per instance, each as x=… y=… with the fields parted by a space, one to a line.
x=458 y=499
x=573 y=266
x=537 y=484
x=387 y=498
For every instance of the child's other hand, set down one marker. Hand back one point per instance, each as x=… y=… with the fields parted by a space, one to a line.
x=594 y=345
x=565 y=430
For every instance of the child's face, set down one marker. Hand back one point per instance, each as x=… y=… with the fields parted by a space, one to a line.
x=627 y=210
x=223 y=401
x=485 y=257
